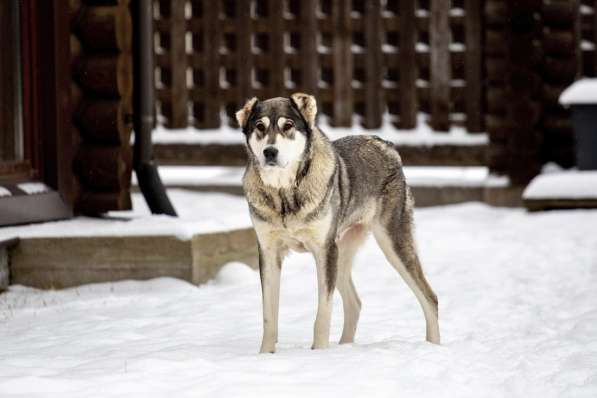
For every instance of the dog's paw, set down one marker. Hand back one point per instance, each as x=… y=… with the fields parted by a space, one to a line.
x=320 y=346
x=267 y=349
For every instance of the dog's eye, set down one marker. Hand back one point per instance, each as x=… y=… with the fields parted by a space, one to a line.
x=287 y=126
x=260 y=126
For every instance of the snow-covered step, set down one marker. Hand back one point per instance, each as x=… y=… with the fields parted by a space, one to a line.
x=431 y=186
x=561 y=189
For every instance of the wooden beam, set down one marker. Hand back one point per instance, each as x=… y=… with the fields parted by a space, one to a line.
x=408 y=68
x=440 y=65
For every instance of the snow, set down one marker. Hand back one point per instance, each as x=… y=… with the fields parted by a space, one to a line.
x=199 y=213
x=566 y=184
x=194 y=176
x=518 y=315
x=32 y=188
x=583 y=91
x=422 y=135
x=4 y=192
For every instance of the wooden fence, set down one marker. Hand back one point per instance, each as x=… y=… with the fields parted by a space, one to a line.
x=363 y=57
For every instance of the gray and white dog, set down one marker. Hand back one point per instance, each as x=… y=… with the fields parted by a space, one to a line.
x=306 y=193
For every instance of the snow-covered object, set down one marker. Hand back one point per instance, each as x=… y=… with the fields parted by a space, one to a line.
x=32 y=188
x=190 y=176
x=583 y=91
x=571 y=184
x=4 y=192
x=518 y=316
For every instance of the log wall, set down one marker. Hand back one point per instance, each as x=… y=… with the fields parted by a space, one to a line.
x=102 y=94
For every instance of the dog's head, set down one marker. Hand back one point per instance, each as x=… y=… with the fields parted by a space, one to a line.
x=278 y=130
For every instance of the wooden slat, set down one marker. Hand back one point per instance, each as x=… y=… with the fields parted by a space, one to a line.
x=211 y=66
x=594 y=38
x=373 y=92
x=244 y=58
x=440 y=65
x=473 y=66
x=308 y=52
x=408 y=72
x=276 y=41
x=177 y=104
x=342 y=55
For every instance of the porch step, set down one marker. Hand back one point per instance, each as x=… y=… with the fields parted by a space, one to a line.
x=62 y=262
x=431 y=186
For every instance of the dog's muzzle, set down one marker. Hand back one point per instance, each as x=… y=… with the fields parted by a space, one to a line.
x=271 y=156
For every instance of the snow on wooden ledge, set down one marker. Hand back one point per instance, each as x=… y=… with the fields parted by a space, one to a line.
x=583 y=91
x=572 y=184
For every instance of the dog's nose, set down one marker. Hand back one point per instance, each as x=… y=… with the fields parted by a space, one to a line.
x=270 y=154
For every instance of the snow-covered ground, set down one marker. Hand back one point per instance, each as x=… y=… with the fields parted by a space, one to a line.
x=518 y=313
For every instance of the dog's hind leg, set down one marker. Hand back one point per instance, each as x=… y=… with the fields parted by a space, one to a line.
x=394 y=234
x=347 y=248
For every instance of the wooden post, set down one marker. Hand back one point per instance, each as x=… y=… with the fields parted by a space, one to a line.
x=179 y=96
x=473 y=66
x=342 y=62
x=408 y=69
x=211 y=65
x=595 y=38
x=244 y=57
x=309 y=59
x=277 y=64
x=440 y=65
x=373 y=89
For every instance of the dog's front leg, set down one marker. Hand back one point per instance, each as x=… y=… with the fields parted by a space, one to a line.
x=327 y=266
x=270 y=264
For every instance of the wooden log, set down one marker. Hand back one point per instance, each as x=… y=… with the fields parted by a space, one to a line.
x=473 y=73
x=496 y=43
x=559 y=13
x=105 y=121
x=276 y=49
x=552 y=92
x=559 y=43
x=408 y=71
x=560 y=70
x=496 y=100
x=496 y=13
x=105 y=28
x=106 y=2
x=96 y=203
x=498 y=128
x=103 y=168
x=343 y=66
x=440 y=62
x=308 y=52
x=373 y=91
x=496 y=70
x=107 y=76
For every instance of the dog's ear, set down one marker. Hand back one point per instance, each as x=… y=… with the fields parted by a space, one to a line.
x=306 y=105
x=242 y=116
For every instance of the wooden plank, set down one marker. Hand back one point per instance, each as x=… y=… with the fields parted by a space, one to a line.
x=211 y=66
x=594 y=38
x=473 y=66
x=373 y=91
x=342 y=60
x=277 y=63
x=179 y=115
x=440 y=65
x=408 y=71
x=244 y=57
x=308 y=60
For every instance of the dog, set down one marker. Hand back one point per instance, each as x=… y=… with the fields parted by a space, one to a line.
x=308 y=194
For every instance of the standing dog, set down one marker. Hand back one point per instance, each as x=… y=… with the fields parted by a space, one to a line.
x=306 y=193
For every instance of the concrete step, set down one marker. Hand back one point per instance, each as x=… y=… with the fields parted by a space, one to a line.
x=61 y=262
